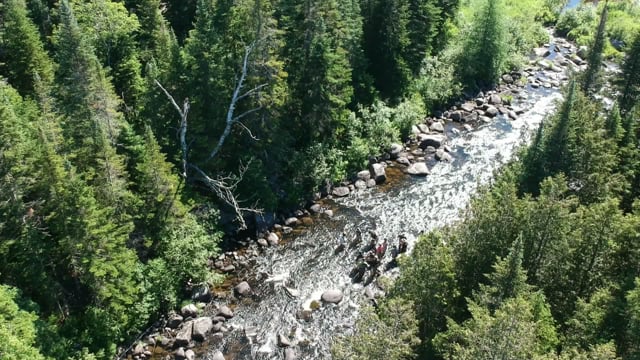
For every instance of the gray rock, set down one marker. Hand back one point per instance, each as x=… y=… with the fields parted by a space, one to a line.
x=480 y=101
x=340 y=191
x=216 y=338
x=377 y=173
x=437 y=127
x=423 y=128
x=371 y=183
x=180 y=354
x=495 y=99
x=201 y=293
x=541 y=52
x=431 y=140
x=329 y=213
x=184 y=334
x=468 y=107
x=174 y=321
x=364 y=175
x=404 y=161
x=485 y=119
x=472 y=116
x=290 y=354
x=415 y=130
x=455 y=116
x=217 y=355
x=229 y=268
x=395 y=150
x=443 y=156
x=292 y=221
x=201 y=326
x=288 y=229
x=512 y=115
x=243 y=289
x=225 y=311
x=491 y=111
x=292 y=292
x=360 y=184
x=189 y=310
x=507 y=79
x=138 y=350
x=263 y=242
x=317 y=208
x=273 y=238
x=189 y=355
x=283 y=341
x=418 y=169
x=332 y=296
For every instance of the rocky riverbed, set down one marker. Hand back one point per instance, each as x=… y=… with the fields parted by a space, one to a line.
x=288 y=291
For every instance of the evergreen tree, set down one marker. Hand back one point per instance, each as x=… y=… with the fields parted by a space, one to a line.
x=17 y=328
x=633 y=330
x=629 y=80
x=613 y=124
x=590 y=79
x=484 y=54
x=22 y=55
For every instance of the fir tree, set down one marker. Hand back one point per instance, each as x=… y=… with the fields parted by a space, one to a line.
x=22 y=55
x=590 y=78
x=629 y=80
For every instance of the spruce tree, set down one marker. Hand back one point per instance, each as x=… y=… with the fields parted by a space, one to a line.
x=22 y=55
x=629 y=80
x=590 y=78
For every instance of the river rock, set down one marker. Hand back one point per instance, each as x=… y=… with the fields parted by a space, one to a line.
x=201 y=326
x=332 y=296
x=395 y=150
x=377 y=173
x=512 y=114
x=495 y=99
x=443 y=156
x=364 y=175
x=184 y=334
x=217 y=355
x=283 y=341
x=201 y=293
x=189 y=355
x=507 y=79
x=229 y=268
x=225 y=311
x=491 y=111
x=468 y=107
x=418 y=169
x=292 y=292
x=189 y=310
x=263 y=242
x=292 y=221
x=423 y=128
x=403 y=160
x=340 y=191
x=174 y=321
x=360 y=184
x=316 y=208
x=243 y=289
x=437 y=127
x=273 y=239
x=329 y=213
x=541 y=52
x=180 y=354
x=371 y=183
x=431 y=140
x=455 y=116
x=290 y=354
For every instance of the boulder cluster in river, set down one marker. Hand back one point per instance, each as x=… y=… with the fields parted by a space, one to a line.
x=181 y=332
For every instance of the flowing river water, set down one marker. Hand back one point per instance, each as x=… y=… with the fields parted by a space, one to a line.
x=306 y=262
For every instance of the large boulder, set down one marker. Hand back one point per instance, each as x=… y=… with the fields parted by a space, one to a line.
x=431 y=140
x=174 y=321
x=423 y=128
x=225 y=312
x=189 y=310
x=201 y=327
x=243 y=289
x=468 y=107
x=332 y=296
x=395 y=149
x=273 y=239
x=495 y=99
x=360 y=184
x=377 y=173
x=201 y=293
x=190 y=355
x=364 y=175
x=340 y=191
x=418 y=169
x=437 y=127
x=491 y=111
x=217 y=355
x=184 y=334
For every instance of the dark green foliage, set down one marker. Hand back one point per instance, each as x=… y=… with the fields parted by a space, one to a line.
x=22 y=55
x=591 y=77
x=485 y=50
x=17 y=328
x=629 y=80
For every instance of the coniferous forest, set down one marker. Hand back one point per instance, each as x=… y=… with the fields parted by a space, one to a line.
x=134 y=134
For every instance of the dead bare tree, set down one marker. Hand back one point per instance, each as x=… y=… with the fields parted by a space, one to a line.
x=224 y=187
